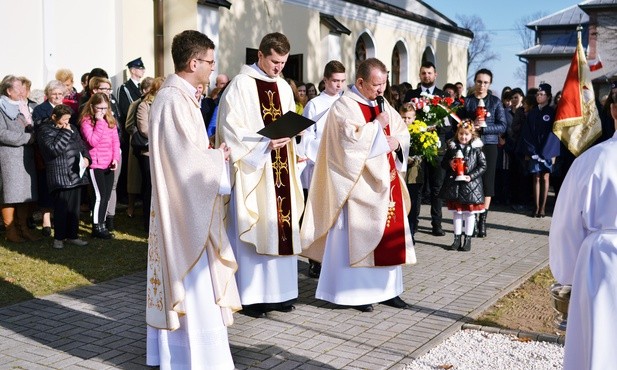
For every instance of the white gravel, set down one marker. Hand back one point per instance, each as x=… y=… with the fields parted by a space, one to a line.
x=477 y=350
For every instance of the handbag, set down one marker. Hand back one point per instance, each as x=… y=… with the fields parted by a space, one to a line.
x=139 y=142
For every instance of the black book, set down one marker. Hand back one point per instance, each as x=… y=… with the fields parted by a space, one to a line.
x=288 y=125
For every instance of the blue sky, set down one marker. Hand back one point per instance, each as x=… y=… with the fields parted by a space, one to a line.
x=501 y=20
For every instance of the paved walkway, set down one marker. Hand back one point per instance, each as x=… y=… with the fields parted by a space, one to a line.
x=102 y=326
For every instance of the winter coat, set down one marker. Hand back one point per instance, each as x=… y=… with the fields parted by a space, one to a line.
x=17 y=171
x=495 y=121
x=475 y=164
x=61 y=149
x=103 y=143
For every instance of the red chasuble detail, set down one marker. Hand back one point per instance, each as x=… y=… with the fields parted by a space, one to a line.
x=270 y=103
x=391 y=249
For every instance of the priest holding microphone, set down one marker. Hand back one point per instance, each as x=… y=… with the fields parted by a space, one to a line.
x=355 y=220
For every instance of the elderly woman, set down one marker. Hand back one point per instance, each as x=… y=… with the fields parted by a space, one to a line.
x=17 y=173
x=54 y=94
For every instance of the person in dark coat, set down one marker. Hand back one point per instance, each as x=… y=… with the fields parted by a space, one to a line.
x=540 y=146
x=463 y=191
x=66 y=159
x=434 y=173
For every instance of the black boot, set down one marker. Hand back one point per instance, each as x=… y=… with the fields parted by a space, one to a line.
x=99 y=231
x=314 y=269
x=109 y=223
x=467 y=245
x=457 y=242
x=482 y=224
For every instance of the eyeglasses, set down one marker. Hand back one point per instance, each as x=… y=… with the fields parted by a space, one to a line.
x=482 y=82
x=101 y=108
x=104 y=88
x=211 y=62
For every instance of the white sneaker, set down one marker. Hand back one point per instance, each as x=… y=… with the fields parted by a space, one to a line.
x=78 y=242
x=58 y=244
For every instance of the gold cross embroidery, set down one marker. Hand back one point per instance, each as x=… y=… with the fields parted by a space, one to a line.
x=278 y=166
x=270 y=111
x=282 y=218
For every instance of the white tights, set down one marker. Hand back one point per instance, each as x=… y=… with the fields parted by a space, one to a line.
x=470 y=221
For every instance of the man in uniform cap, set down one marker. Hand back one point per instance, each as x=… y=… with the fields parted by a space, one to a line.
x=127 y=93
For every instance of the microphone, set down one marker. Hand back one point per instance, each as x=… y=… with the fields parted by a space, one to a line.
x=380 y=103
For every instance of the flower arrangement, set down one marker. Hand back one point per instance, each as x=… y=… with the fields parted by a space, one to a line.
x=423 y=142
x=434 y=109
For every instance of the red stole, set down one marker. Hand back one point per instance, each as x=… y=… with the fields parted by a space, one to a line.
x=391 y=249
x=270 y=102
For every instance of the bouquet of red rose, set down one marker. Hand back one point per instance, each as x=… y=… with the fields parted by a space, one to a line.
x=433 y=110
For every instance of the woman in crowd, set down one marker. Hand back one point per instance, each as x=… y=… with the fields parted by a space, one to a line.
x=493 y=125
x=143 y=113
x=55 y=92
x=71 y=97
x=17 y=171
x=66 y=159
x=539 y=153
x=98 y=129
x=311 y=91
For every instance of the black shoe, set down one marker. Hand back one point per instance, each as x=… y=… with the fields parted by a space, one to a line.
x=286 y=307
x=466 y=247
x=99 y=231
x=364 y=308
x=314 y=269
x=257 y=310
x=438 y=231
x=457 y=243
x=46 y=231
x=396 y=302
x=109 y=223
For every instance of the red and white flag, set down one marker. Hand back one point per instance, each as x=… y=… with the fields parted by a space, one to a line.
x=595 y=64
x=577 y=123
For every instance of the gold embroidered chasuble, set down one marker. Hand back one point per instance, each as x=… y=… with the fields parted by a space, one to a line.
x=345 y=175
x=186 y=217
x=269 y=199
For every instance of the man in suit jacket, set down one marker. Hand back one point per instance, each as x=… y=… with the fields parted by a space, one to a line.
x=434 y=173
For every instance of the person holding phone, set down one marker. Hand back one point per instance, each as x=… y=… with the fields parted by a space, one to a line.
x=98 y=129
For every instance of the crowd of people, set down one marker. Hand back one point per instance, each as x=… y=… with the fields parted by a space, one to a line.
x=229 y=210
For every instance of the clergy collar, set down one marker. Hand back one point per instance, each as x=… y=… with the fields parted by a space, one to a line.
x=370 y=103
x=190 y=88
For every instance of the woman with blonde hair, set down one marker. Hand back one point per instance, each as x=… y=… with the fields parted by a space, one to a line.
x=143 y=114
x=98 y=129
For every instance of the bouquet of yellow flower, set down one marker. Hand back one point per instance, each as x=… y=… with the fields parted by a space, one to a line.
x=423 y=142
x=434 y=109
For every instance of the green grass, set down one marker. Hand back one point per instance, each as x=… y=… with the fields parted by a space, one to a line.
x=35 y=269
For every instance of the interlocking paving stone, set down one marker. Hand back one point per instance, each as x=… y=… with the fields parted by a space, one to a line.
x=102 y=326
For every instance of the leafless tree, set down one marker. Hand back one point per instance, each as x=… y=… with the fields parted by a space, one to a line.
x=526 y=40
x=480 y=51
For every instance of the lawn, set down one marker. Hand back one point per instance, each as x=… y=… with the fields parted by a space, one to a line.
x=35 y=269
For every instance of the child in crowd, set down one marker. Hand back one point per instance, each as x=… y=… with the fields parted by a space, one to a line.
x=464 y=194
x=415 y=172
x=66 y=159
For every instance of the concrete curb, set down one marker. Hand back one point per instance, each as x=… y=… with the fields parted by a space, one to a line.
x=540 y=337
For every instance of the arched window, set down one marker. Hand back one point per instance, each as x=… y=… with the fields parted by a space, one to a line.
x=360 y=51
x=396 y=66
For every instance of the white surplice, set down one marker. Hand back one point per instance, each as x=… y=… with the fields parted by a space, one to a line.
x=583 y=253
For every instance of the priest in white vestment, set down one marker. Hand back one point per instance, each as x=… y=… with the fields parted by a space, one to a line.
x=355 y=220
x=317 y=110
x=583 y=253
x=266 y=199
x=191 y=290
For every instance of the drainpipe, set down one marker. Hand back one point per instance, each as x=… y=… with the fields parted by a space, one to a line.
x=526 y=62
x=159 y=41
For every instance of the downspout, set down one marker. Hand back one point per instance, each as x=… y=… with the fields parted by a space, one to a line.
x=159 y=41
x=524 y=61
